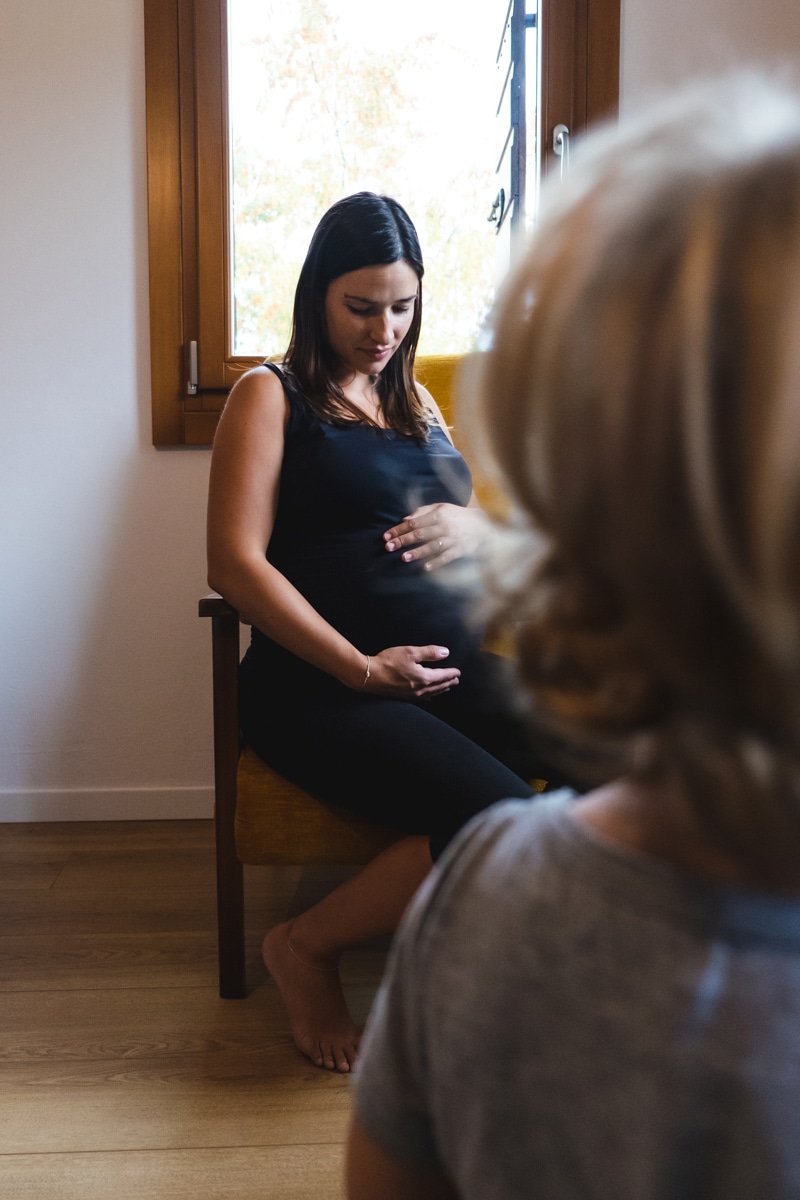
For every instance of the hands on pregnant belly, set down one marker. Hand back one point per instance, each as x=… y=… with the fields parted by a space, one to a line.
x=437 y=534
x=400 y=672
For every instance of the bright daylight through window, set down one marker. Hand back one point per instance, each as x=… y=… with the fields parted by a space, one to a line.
x=328 y=97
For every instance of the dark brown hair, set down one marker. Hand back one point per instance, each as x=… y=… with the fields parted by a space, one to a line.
x=363 y=230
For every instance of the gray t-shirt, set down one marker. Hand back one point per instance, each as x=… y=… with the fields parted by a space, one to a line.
x=563 y=1018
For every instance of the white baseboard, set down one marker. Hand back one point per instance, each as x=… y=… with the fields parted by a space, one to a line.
x=106 y=804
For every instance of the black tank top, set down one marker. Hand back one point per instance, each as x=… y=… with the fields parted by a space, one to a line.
x=341 y=487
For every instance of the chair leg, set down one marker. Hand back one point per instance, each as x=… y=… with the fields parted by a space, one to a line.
x=230 y=921
x=230 y=876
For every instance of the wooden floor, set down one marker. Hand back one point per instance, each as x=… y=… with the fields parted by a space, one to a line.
x=122 y=1073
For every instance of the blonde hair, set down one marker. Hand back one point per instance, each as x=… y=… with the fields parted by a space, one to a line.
x=642 y=401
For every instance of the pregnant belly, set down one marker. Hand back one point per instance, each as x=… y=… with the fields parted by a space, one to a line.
x=376 y=600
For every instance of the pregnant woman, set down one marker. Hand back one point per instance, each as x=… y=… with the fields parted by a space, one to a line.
x=336 y=494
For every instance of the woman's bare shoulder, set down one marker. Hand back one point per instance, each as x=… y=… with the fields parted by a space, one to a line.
x=259 y=381
x=258 y=395
x=255 y=415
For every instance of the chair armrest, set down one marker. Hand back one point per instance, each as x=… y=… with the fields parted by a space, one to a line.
x=213 y=605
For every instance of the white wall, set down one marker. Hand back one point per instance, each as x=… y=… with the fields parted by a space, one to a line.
x=104 y=667
x=104 y=675
x=663 y=43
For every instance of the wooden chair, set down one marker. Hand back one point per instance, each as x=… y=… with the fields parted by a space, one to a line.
x=259 y=817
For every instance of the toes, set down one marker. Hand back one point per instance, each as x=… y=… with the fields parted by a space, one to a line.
x=328 y=1060
x=349 y=1054
x=336 y=1058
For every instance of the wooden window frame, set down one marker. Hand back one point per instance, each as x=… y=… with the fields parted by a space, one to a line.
x=187 y=182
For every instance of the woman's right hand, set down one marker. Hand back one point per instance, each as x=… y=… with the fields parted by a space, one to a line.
x=399 y=672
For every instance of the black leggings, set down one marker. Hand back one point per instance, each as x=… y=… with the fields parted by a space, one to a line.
x=417 y=766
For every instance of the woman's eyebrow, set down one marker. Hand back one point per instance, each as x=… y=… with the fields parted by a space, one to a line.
x=367 y=300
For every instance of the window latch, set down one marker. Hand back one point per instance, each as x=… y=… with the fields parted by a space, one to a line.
x=561 y=147
x=191 y=383
x=497 y=215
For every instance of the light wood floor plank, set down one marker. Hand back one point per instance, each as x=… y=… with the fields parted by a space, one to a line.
x=124 y=869
x=129 y=1023
x=30 y=875
x=131 y=1117
x=122 y=1073
x=103 y=836
x=310 y=1172
x=83 y=911
x=50 y=962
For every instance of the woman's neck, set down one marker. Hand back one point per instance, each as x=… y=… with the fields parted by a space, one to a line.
x=658 y=819
x=362 y=392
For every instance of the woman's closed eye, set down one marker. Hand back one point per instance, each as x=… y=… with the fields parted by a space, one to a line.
x=368 y=312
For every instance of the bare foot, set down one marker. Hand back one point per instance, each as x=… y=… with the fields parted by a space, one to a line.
x=312 y=994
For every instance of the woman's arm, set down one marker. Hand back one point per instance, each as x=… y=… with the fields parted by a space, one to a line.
x=372 y=1174
x=243 y=498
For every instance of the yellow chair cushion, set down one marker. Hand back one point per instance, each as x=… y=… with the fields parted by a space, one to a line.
x=277 y=823
x=437 y=372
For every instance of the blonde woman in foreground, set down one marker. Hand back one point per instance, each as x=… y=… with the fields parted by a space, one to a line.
x=601 y=997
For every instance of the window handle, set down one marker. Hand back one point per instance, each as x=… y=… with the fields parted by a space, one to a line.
x=191 y=383
x=497 y=215
x=561 y=147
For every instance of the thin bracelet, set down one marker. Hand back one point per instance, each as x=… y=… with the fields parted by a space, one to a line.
x=366 y=677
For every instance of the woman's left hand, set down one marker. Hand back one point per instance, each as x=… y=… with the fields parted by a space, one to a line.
x=436 y=534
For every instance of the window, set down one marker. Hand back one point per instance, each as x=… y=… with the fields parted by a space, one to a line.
x=331 y=97
x=572 y=61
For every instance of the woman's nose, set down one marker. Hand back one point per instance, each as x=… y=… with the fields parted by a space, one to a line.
x=381 y=330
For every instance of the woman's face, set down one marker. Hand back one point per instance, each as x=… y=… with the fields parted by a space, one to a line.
x=368 y=313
